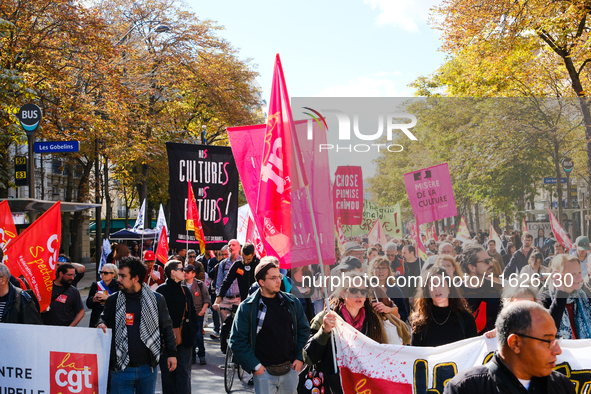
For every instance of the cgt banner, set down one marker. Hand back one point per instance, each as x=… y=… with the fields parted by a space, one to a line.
x=367 y=366
x=431 y=193
x=75 y=361
x=214 y=177
x=347 y=192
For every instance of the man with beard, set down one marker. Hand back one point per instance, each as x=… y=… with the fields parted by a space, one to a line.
x=482 y=295
x=141 y=326
x=65 y=308
x=520 y=258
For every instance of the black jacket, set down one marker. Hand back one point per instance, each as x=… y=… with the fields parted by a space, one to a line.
x=245 y=277
x=97 y=307
x=177 y=296
x=496 y=378
x=517 y=262
x=20 y=308
x=166 y=333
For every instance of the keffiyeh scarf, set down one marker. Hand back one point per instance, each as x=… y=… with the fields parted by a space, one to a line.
x=149 y=326
x=582 y=313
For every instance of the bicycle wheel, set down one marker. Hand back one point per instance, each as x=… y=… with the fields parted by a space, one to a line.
x=229 y=371
x=240 y=371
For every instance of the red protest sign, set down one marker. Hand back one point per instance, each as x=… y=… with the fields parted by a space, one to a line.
x=348 y=194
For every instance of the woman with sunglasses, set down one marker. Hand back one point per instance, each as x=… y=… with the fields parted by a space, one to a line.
x=353 y=305
x=100 y=291
x=441 y=315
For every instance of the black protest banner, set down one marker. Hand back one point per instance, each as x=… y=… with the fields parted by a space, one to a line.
x=214 y=177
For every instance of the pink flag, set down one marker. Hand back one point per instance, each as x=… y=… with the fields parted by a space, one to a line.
x=377 y=234
x=559 y=232
x=525 y=226
x=431 y=193
x=247 y=144
x=273 y=205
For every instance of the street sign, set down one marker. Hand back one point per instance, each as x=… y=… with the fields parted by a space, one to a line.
x=30 y=116
x=20 y=171
x=553 y=180
x=567 y=164
x=57 y=146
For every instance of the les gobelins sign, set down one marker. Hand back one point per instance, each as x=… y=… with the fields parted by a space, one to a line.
x=214 y=178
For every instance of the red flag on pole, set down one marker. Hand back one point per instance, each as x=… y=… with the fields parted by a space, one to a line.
x=559 y=232
x=34 y=253
x=193 y=220
x=272 y=212
x=525 y=225
x=7 y=228
x=162 y=249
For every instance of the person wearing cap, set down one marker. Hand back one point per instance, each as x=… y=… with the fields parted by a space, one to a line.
x=201 y=301
x=191 y=259
x=581 y=250
x=241 y=271
x=182 y=313
x=154 y=273
x=269 y=332
x=352 y=248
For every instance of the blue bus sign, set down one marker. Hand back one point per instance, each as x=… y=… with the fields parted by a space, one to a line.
x=57 y=146
x=553 y=180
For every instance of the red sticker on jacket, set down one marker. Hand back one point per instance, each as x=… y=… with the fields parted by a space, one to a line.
x=129 y=319
x=62 y=298
x=240 y=271
x=197 y=294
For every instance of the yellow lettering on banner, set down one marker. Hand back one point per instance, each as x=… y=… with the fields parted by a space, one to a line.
x=35 y=253
x=45 y=273
x=360 y=385
x=71 y=365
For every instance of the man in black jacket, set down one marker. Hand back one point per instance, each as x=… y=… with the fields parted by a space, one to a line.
x=184 y=319
x=16 y=306
x=528 y=346
x=139 y=318
x=520 y=258
x=242 y=271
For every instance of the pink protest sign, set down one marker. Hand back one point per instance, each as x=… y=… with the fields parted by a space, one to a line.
x=431 y=193
x=348 y=194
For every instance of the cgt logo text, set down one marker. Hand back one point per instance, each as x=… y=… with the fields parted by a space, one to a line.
x=393 y=123
x=75 y=373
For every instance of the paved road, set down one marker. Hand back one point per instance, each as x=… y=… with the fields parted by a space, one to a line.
x=204 y=378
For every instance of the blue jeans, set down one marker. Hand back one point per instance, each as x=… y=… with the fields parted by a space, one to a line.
x=199 y=344
x=269 y=384
x=216 y=320
x=139 y=380
x=179 y=380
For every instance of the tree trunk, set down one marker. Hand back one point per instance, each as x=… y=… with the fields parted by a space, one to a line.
x=66 y=216
x=477 y=214
x=76 y=228
x=108 y=203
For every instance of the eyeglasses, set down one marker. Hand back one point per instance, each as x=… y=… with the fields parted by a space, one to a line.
x=179 y=269
x=106 y=273
x=280 y=277
x=551 y=342
x=354 y=291
x=487 y=261
x=192 y=256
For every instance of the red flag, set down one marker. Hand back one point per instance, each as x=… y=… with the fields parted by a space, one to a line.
x=253 y=236
x=525 y=225
x=273 y=208
x=559 y=232
x=34 y=253
x=7 y=230
x=162 y=249
x=193 y=221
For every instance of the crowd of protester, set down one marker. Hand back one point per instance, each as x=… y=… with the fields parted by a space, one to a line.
x=282 y=326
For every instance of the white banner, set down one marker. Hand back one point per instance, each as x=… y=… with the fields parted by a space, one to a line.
x=366 y=365
x=51 y=359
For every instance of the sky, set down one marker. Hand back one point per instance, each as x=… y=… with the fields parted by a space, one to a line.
x=344 y=48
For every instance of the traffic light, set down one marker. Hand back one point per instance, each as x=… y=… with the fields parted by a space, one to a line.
x=20 y=171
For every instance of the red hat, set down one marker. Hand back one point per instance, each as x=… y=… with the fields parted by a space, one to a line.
x=149 y=256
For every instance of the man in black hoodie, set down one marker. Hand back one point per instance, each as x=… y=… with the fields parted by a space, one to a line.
x=520 y=258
